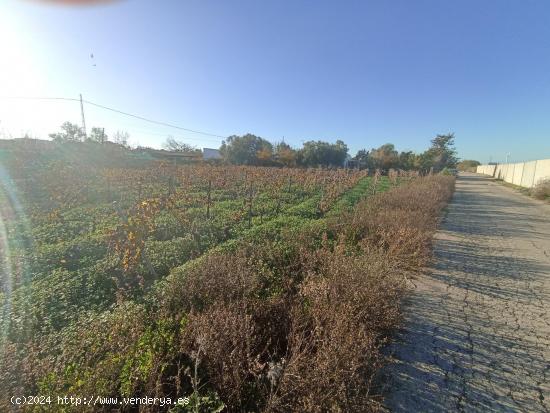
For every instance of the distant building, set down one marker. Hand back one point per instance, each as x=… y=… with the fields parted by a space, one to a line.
x=211 y=154
x=162 y=154
x=348 y=162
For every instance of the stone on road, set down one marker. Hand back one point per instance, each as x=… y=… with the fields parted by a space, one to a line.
x=476 y=334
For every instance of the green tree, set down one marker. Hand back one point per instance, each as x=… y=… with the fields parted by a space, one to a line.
x=385 y=157
x=442 y=153
x=319 y=153
x=361 y=159
x=285 y=155
x=423 y=161
x=407 y=160
x=70 y=132
x=467 y=165
x=246 y=150
x=98 y=135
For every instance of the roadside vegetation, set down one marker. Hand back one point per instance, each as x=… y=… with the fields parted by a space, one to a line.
x=542 y=190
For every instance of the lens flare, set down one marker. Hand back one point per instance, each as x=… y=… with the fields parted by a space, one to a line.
x=14 y=231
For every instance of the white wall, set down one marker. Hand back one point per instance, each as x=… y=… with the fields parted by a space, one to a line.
x=526 y=174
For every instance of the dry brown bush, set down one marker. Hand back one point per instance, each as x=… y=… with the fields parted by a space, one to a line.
x=231 y=344
x=213 y=279
x=542 y=189
x=286 y=353
x=400 y=222
x=344 y=314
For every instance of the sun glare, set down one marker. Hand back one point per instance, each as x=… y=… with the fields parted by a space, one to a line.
x=21 y=74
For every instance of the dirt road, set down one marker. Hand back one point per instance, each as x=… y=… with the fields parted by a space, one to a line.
x=477 y=330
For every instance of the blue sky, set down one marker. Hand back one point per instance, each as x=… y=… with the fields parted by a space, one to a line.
x=366 y=72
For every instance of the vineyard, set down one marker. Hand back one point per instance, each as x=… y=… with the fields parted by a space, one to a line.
x=203 y=280
x=113 y=232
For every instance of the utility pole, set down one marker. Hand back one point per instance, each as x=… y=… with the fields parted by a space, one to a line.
x=83 y=118
x=103 y=135
x=507 y=157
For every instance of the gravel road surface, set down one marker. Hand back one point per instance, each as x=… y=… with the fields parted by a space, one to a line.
x=476 y=336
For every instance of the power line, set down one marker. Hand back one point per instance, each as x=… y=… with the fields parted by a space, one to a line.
x=140 y=131
x=38 y=98
x=118 y=111
x=154 y=121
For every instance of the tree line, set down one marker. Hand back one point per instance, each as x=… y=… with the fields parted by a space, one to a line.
x=250 y=149
x=253 y=150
